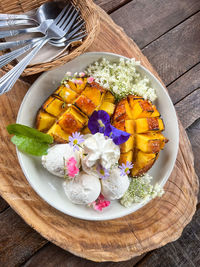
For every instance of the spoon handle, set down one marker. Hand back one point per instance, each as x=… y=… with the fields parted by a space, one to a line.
x=11 y=23
x=4 y=34
x=10 y=78
x=7 y=58
x=14 y=16
x=8 y=45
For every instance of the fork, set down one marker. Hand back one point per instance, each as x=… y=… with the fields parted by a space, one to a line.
x=41 y=28
x=6 y=45
x=8 y=57
x=58 y=29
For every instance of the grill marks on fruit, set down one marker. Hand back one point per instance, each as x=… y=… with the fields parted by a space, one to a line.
x=67 y=110
x=142 y=120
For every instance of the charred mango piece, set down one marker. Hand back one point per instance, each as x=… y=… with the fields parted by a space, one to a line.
x=85 y=105
x=150 y=143
x=155 y=112
x=77 y=87
x=81 y=87
x=144 y=125
x=109 y=97
x=44 y=121
x=58 y=134
x=69 y=123
x=66 y=94
x=120 y=111
x=54 y=106
x=128 y=145
x=143 y=162
x=72 y=120
x=132 y=99
x=108 y=107
x=94 y=94
x=142 y=109
x=130 y=126
x=124 y=157
x=80 y=116
x=86 y=130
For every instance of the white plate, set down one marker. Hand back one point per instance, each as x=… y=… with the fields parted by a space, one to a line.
x=48 y=186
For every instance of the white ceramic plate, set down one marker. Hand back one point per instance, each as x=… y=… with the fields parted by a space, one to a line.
x=48 y=186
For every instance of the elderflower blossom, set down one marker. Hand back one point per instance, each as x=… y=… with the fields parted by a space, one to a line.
x=141 y=190
x=121 y=78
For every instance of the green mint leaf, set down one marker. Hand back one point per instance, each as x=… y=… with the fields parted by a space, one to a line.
x=30 y=145
x=22 y=130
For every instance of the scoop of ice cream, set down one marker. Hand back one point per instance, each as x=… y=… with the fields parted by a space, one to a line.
x=57 y=157
x=89 y=170
x=102 y=149
x=115 y=185
x=83 y=189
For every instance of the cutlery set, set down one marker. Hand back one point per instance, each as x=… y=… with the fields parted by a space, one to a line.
x=59 y=27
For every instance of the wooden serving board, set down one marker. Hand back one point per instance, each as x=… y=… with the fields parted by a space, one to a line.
x=159 y=222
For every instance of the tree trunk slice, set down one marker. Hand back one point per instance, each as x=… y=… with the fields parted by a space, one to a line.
x=159 y=222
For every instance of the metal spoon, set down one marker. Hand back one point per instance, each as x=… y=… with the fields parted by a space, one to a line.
x=49 y=10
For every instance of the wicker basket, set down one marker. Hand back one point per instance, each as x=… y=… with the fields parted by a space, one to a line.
x=88 y=13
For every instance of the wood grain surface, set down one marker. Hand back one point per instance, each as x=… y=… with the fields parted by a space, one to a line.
x=183 y=257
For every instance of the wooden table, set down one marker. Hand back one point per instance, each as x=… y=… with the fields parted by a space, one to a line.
x=168 y=32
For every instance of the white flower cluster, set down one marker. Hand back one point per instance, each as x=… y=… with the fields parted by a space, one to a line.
x=121 y=78
x=141 y=190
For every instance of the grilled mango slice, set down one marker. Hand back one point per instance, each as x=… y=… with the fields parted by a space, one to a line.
x=54 y=106
x=144 y=125
x=142 y=120
x=128 y=145
x=109 y=97
x=143 y=162
x=44 y=121
x=108 y=107
x=124 y=157
x=85 y=105
x=58 y=134
x=66 y=94
x=72 y=120
x=150 y=143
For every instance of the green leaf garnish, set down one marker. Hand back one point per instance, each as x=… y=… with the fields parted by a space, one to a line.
x=19 y=129
x=30 y=145
x=29 y=140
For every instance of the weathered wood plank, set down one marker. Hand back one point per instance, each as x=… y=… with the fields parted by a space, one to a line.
x=18 y=241
x=3 y=204
x=185 y=252
x=59 y=257
x=144 y=21
x=189 y=108
x=111 y=5
x=185 y=85
x=176 y=51
x=194 y=135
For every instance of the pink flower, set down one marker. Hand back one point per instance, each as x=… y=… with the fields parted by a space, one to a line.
x=76 y=81
x=81 y=74
x=90 y=79
x=79 y=82
x=100 y=203
x=71 y=167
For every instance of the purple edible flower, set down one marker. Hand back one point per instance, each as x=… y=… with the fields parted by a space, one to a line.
x=99 y=121
x=125 y=168
x=119 y=137
x=75 y=140
x=103 y=172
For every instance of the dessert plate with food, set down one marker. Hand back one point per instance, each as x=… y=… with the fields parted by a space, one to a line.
x=102 y=136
